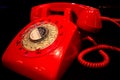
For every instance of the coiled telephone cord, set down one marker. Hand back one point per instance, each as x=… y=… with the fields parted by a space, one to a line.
x=99 y=47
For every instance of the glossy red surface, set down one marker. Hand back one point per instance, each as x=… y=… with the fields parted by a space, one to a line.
x=51 y=62
x=88 y=18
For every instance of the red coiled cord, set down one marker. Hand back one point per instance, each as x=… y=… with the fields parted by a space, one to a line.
x=97 y=64
x=112 y=20
x=97 y=47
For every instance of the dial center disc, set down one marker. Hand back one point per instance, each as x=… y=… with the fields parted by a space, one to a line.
x=38 y=34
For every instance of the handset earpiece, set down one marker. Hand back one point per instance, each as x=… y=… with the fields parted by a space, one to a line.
x=90 y=20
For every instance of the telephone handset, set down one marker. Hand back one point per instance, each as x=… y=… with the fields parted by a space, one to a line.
x=88 y=18
x=46 y=47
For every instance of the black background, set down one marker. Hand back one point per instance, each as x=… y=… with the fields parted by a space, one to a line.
x=15 y=14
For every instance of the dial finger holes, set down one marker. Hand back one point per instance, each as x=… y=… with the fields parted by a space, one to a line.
x=40 y=37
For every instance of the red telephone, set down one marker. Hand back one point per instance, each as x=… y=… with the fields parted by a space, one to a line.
x=46 y=47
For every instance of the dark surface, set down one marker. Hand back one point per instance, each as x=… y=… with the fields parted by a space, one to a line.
x=15 y=14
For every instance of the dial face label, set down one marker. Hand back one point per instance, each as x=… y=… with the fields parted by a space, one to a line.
x=35 y=35
x=39 y=37
x=38 y=34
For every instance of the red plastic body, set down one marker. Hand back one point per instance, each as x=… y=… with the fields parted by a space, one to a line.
x=52 y=62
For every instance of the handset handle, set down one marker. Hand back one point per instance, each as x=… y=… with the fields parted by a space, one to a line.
x=88 y=18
